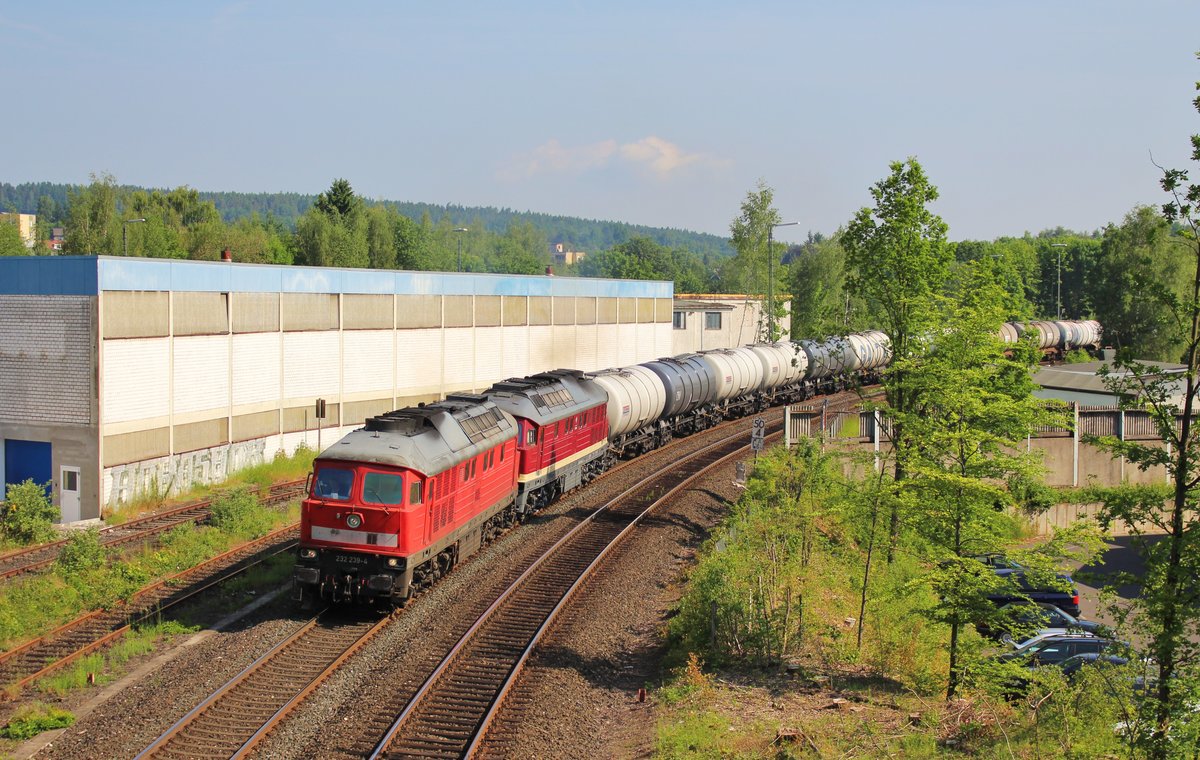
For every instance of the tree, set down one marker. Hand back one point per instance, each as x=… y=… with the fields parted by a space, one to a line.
x=821 y=304
x=93 y=225
x=899 y=262
x=11 y=243
x=334 y=232
x=339 y=200
x=1142 y=283
x=749 y=270
x=521 y=250
x=1168 y=605
x=973 y=409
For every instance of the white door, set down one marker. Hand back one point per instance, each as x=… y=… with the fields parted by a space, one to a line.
x=68 y=494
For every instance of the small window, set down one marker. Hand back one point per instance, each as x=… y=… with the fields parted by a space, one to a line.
x=334 y=483
x=712 y=320
x=466 y=472
x=502 y=453
x=679 y=320
x=382 y=488
x=414 y=492
x=531 y=437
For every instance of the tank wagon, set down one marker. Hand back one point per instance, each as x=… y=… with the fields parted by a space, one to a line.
x=395 y=504
x=1056 y=338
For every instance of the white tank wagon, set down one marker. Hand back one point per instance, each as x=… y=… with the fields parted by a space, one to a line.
x=1011 y=332
x=779 y=369
x=636 y=399
x=874 y=350
x=739 y=377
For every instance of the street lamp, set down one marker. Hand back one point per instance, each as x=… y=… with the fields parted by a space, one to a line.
x=125 y=234
x=771 y=278
x=1058 y=278
x=460 y=229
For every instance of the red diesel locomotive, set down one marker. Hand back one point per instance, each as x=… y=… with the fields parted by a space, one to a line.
x=395 y=504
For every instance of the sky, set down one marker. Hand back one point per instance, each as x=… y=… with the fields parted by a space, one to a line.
x=1025 y=115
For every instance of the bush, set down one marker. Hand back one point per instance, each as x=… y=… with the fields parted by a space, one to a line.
x=81 y=552
x=237 y=512
x=27 y=516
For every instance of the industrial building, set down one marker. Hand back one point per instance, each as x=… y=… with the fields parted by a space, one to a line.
x=712 y=321
x=121 y=377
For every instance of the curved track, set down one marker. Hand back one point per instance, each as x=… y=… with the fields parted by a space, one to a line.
x=453 y=708
x=135 y=531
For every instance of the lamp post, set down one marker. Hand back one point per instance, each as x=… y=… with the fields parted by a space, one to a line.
x=1058 y=280
x=771 y=278
x=125 y=234
x=460 y=229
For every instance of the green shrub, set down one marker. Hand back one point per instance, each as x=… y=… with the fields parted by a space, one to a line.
x=31 y=720
x=238 y=513
x=27 y=516
x=81 y=552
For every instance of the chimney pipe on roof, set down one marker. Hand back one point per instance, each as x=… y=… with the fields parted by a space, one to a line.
x=549 y=270
x=226 y=255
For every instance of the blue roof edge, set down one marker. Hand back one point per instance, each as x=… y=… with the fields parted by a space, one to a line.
x=88 y=275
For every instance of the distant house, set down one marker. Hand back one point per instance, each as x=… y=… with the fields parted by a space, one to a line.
x=26 y=225
x=58 y=238
x=562 y=254
x=1083 y=384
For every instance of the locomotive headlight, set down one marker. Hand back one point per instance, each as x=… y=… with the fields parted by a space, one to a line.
x=353 y=521
x=393 y=562
x=308 y=554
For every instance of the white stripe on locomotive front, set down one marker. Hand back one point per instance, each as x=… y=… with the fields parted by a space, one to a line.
x=356 y=537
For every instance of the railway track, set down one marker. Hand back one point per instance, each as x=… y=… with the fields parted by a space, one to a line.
x=234 y=717
x=135 y=531
x=89 y=632
x=451 y=712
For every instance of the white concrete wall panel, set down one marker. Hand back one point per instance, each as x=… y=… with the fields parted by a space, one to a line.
x=489 y=356
x=565 y=338
x=627 y=347
x=541 y=349
x=459 y=359
x=418 y=362
x=663 y=340
x=135 y=380
x=256 y=365
x=607 y=354
x=310 y=364
x=515 y=362
x=201 y=372
x=586 y=348
x=367 y=361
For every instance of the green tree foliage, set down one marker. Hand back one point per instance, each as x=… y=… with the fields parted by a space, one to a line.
x=11 y=243
x=522 y=249
x=1167 y=610
x=82 y=552
x=747 y=272
x=973 y=409
x=641 y=258
x=334 y=232
x=27 y=516
x=1142 y=286
x=821 y=303
x=899 y=263
x=1011 y=262
x=93 y=221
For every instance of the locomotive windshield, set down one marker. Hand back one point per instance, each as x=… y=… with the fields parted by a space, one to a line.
x=382 y=488
x=334 y=483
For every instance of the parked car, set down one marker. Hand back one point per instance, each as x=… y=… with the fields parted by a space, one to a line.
x=1064 y=595
x=1055 y=648
x=1020 y=620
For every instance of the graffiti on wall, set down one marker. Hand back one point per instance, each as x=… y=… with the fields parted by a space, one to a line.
x=174 y=474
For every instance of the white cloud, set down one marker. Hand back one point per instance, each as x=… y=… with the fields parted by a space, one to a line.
x=657 y=155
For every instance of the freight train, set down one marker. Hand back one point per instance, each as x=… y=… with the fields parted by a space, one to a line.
x=392 y=506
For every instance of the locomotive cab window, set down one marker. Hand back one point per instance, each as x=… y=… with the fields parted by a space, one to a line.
x=334 y=483
x=382 y=488
x=531 y=437
x=414 y=492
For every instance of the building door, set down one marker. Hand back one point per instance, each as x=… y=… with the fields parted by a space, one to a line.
x=68 y=495
x=24 y=460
